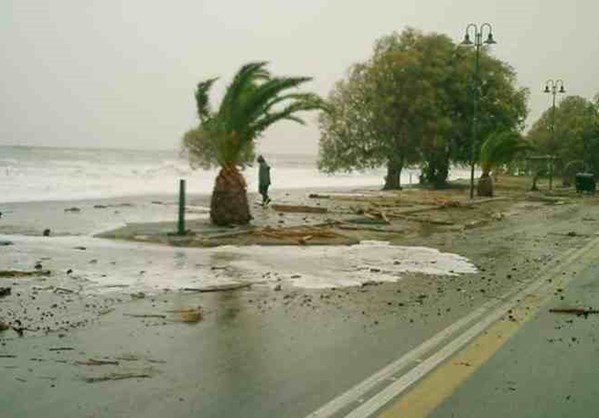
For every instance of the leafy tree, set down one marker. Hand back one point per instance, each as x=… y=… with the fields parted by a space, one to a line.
x=576 y=135
x=226 y=138
x=412 y=103
x=379 y=113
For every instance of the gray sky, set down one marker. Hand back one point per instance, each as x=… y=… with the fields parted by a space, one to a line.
x=110 y=73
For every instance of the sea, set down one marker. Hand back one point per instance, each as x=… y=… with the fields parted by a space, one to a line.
x=51 y=174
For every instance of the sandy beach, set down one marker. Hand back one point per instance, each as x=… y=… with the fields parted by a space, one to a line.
x=125 y=327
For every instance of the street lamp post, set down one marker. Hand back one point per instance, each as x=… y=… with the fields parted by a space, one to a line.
x=477 y=32
x=553 y=87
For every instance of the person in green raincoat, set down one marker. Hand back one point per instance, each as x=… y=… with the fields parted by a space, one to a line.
x=263 y=180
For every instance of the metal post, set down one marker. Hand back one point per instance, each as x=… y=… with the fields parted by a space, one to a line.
x=551 y=86
x=181 y=220
x=550 y=172
x=553 y=144
x=478 y=42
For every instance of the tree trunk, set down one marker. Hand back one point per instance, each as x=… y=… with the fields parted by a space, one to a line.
x=485 y=185
x=229 y=203
x=393 y=177
x=435 y=170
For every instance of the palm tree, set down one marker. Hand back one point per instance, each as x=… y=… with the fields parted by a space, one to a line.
x=226 y=138
x=499 y=148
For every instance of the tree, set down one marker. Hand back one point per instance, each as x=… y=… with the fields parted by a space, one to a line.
x=226 y=138
x=499 y=148
x=502 y=107
x=576 y=135
x=379 y=114
x=411 y=103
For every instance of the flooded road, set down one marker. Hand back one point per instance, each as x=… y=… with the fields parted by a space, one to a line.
x=106 y=340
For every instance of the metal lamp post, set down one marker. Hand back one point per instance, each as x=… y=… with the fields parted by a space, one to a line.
x=477 y=32
x=553 y=87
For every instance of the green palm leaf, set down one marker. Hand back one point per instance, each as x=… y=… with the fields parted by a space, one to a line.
x=253 y=101
x=501 y=148
x=203 y=99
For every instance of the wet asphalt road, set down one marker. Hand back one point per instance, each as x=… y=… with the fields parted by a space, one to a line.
x=549 y=369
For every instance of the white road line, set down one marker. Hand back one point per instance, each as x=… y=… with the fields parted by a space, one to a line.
x=358 y=391
x=375 y=403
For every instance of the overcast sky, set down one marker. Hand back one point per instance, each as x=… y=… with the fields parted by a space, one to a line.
x=108 y=73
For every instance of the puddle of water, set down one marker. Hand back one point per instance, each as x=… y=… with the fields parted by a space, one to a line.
x=118 y=266
x=338 y=266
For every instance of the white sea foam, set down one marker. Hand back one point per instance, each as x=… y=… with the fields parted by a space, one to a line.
x=38 y=174
x=154 y=268
x=41 y=174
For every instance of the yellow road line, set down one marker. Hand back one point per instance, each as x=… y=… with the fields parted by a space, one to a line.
x=443 y=381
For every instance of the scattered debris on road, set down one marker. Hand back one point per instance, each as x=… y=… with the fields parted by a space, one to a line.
x=95 y=362
x=145 y=316
x=23 y=273
x=298 y=208
x=189 y=315
x=116 y=376
x=218 y=288
x=575 y=311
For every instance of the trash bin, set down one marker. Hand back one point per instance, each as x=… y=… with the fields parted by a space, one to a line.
x=585 y=182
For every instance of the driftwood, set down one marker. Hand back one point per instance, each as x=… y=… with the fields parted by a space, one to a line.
x=94 y=362
x=295 y=233
x=218 y=288
x=298 y=208
x=189 y=315
x=304 y=240
x=145 y=316
x=116 y=376
x=574 y=311
x=426 y=220
x=370 y=228
x=367 y=220
x=20 y=273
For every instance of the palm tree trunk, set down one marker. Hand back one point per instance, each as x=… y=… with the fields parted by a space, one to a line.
x=229 y=203
x=485 y=183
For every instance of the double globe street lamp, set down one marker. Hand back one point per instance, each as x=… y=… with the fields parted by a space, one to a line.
x=476 y=32
x=553 y=87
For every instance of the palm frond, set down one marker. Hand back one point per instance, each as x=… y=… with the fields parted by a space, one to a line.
x=259 y=102
x=202 y=96
x=311 y=103
x=253 y=101
x=247 y=75
x=501 y=148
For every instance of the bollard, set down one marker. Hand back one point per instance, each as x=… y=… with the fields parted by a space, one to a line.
x=181 y=221
x=550 y=174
